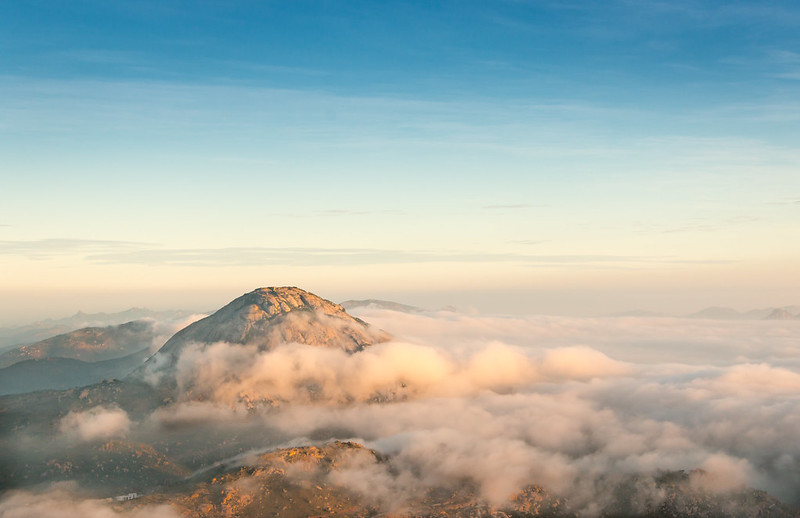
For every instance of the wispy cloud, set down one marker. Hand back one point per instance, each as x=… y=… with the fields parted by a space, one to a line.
x=273 y=69
x=708 y=15
x=252 y=112
x=770 y=63
x=48 y=248
x=326 y=213
x=512 y=206
x=102 y=56
x=786 y=201
x=698 y=224
x=350 y=212
x=132 y=252
x=528 y=242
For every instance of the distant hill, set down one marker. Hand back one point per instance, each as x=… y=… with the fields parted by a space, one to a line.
x=90 y=344
x=37 y=331
x=380 y=304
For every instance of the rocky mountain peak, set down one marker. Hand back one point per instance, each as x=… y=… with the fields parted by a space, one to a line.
x=267 y=317
x=273 y=301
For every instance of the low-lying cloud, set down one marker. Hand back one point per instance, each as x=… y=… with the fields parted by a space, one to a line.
x=559 y=402
x=394 y=371
x=95 y=423
x=163 y=330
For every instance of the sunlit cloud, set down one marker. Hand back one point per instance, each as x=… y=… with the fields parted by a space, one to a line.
x=572 y=404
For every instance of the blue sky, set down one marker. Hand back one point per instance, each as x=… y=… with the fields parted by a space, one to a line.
x=560 y=156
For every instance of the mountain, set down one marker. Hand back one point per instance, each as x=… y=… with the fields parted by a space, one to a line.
x=37 y=331
x=90 y=344
x=380 y=304
x=267 y=317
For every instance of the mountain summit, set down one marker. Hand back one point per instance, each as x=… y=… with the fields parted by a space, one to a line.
x=267 y=317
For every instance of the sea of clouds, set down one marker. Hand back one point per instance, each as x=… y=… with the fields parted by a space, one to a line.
x=571 y=404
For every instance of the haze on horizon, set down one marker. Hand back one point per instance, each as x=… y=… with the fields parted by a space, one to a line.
x=548 y=157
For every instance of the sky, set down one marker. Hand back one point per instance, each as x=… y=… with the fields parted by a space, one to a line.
x=567 y=157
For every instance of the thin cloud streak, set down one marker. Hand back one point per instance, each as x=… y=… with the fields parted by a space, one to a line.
x=353 y=256
x=513 y=206
x=786 y=201
x=133 y=252
x=349 y=212
x=49 y=248
x=529 y=241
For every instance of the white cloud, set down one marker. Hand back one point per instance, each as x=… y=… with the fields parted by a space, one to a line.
x=95 y=423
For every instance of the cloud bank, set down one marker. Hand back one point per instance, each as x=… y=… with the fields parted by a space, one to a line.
x=577 y=406
x=574 y=405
